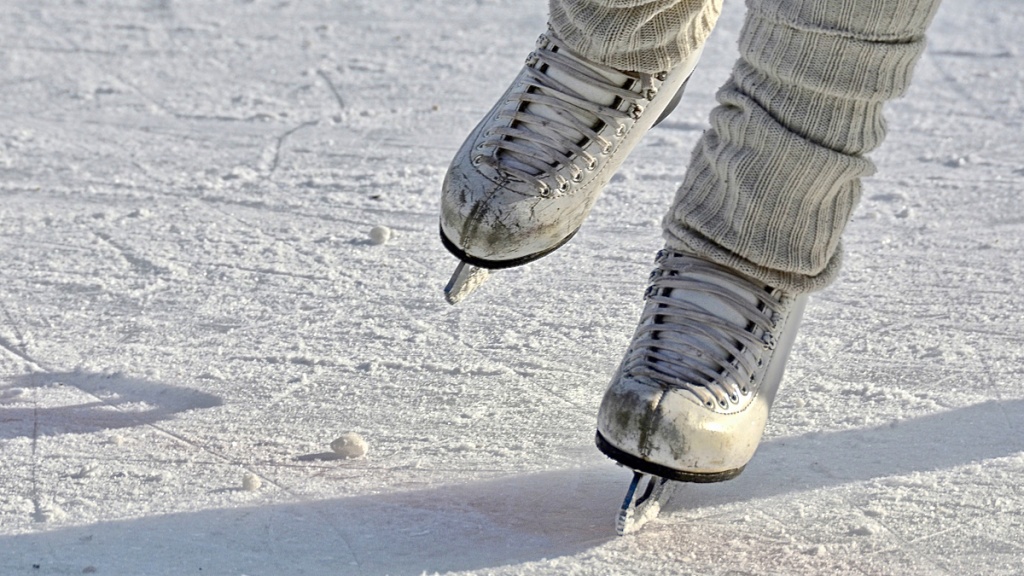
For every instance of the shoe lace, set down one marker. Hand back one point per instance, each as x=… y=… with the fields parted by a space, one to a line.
x=554 y=123
x=704 y=330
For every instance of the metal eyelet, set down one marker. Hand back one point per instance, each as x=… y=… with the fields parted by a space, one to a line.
x=620 y=131
x=478 y=160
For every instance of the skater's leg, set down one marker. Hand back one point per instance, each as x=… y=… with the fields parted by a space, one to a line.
x=772 y=184
x=528 y=175
x=638 y=35
x=755 y=226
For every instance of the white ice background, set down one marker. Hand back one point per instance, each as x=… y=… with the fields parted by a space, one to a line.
x=189 y=293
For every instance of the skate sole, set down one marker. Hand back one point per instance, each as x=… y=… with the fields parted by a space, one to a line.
x=500 y=264
x=640 y=465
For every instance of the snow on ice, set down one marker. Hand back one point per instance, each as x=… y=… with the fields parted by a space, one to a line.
x=190 y=301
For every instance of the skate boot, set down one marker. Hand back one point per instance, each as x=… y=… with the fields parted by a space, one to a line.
x=529 y=173
x=691 y=398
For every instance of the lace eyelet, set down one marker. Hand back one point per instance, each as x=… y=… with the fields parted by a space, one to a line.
x=478 y=160
x=620 y=131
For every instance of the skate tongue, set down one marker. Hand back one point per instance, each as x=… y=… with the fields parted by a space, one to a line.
x=586 y=90
x=713 y=303
x=570 y=82
x=716 y=306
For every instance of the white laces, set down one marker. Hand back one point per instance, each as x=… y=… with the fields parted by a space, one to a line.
x=705 y=329
x=547 y=141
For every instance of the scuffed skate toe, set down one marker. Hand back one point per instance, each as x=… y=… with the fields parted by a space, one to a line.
x=491 y=224
x=669 y=433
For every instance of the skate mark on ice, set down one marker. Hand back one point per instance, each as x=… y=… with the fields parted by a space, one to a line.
x=972 y=54
x=334 y=89
x=965 y=92
x=142 y=265
x=274 y=150
x=271 y=272
x=20 y=349
x=16 y=350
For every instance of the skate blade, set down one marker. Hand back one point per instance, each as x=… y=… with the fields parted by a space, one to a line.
x=466 y=279
x=641 y=506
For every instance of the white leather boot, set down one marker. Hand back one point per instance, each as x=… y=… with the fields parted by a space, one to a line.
x=691 y=398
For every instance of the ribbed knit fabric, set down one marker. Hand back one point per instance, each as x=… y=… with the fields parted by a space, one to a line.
x=636 y=35
x=772 y=184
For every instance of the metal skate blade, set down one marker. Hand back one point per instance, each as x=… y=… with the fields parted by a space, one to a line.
x=463 y=282
x=641 y=506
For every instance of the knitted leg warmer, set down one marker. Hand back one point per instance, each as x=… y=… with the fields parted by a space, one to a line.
x=637 y=35
x=772 y=184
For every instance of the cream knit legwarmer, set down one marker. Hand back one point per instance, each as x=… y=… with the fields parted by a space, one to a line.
x=636 y=35
x=772 y=184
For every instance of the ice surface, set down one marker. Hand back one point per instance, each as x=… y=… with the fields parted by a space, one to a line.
x=188 y=295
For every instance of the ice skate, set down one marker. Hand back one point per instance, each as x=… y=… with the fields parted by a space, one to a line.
x=691 y=398
x=529 y=173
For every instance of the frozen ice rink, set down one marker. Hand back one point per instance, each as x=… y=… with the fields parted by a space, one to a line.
x=190 y=297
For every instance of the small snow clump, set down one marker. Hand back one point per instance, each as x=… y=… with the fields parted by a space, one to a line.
x=380 y=235
x=349 y=445
x=251 y=482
